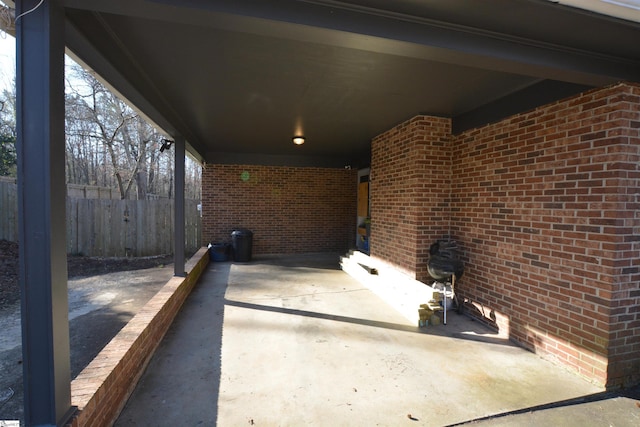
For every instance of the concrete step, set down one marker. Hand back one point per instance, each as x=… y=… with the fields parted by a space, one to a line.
x=400 y=291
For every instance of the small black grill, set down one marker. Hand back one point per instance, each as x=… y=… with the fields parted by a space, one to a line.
x=445 y=268
x=444 y=262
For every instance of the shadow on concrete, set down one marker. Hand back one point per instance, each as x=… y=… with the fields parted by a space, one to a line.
x=519 y=417
x=93 y=321
x=311 y=260
x=91 y=332
x=186 y=392
x=442 y=330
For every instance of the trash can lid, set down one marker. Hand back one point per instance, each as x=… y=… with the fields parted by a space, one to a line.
x=242 y=232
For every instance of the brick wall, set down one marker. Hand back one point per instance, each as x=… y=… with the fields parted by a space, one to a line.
x=546 y=206
x=288 y=209
x=410 y=185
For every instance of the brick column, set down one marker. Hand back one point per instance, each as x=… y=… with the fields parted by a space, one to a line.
x=410 y=187
x=623 y=221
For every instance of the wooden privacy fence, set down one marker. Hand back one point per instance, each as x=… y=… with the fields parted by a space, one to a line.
x=112 y=228
x=8 y=209
x=99 y=227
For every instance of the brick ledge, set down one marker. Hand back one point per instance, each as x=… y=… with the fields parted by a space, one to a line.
x=101 y=390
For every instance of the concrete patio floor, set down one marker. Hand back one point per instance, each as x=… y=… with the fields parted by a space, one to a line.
x=293 y=341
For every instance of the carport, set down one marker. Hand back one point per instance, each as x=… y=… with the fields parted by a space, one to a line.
x=502 y=125
x=292 y=340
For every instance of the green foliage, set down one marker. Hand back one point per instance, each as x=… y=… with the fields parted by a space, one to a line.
x=7 y=155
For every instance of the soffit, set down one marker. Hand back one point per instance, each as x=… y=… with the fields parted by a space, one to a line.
x=244 y=77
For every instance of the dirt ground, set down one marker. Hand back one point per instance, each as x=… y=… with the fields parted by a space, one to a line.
x=104 y=294
x=76 y=266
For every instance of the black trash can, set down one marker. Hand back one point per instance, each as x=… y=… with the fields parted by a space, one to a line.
x=219 y=252
x=242 y=242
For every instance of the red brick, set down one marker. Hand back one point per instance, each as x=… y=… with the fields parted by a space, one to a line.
x=569 y=199
x=288 y=209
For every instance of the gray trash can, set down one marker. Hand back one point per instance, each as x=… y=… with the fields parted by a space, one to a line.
x=242 y=242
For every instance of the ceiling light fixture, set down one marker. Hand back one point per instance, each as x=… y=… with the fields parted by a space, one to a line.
x=298 y=140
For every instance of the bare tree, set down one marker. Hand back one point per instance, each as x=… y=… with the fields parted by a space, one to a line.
x=107 y=143
x=94 y=113
x=8 y=133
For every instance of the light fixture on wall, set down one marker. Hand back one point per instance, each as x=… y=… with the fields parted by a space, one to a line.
x=166 y=144
x=298 y=140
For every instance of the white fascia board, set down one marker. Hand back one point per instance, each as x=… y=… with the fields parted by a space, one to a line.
x=623 y=9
